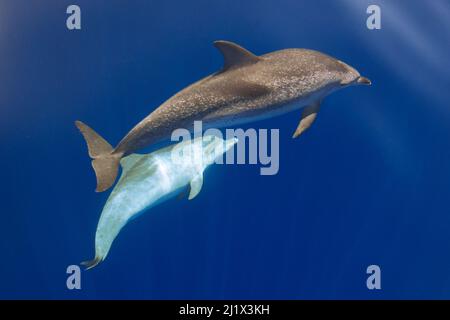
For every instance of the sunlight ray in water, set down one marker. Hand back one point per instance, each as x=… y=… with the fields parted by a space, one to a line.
x=424 y=57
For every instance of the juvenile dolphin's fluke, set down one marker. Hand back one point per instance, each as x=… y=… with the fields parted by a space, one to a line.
x=247 y=88
x=91 y=263
x=152 y=178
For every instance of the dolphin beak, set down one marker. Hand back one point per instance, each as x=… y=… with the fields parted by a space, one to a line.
x=364 y=81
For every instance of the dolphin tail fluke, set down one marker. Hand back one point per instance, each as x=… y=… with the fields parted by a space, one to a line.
x=91 y=263
x=104 y=161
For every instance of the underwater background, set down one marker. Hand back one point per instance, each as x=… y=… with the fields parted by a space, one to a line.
x=369 y=183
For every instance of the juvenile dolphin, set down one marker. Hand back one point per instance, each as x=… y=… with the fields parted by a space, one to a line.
x=152 y=178
x=248 y=88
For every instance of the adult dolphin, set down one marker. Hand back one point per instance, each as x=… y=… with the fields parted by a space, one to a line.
x=248 y=88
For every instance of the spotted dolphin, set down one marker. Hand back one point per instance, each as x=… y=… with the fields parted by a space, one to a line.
x=247 y=88
x=149 y=179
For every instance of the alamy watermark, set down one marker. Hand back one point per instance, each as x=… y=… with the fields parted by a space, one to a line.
x=74 y=279
x=373 y=21
x=73 y=21
x=253 y=147
x=373 y=282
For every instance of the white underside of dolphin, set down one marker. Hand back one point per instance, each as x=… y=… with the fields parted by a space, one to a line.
x=149 y=179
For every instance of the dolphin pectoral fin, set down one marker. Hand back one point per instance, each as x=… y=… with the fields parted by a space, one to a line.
x=309 y=114
x=234 y=55
x=196 y=186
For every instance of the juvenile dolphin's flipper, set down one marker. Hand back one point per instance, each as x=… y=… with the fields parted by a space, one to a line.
x=196 y=186
x=309 y=114
x=104 y=162
x=91 y=263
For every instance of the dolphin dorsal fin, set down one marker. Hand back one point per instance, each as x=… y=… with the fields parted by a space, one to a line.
x=234 y=55
x=130 y=161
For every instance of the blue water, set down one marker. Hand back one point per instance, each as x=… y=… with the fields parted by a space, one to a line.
x=369 y=183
